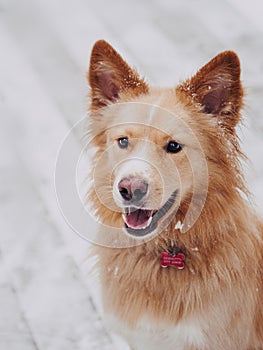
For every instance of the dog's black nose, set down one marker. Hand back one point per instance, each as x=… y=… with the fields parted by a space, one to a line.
x=133 y=188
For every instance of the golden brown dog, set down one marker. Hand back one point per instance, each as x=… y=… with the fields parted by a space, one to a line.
x=180 y=249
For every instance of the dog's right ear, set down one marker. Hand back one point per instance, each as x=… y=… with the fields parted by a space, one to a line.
x=109 y=76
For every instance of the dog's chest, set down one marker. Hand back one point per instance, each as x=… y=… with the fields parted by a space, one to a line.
x=150 y=336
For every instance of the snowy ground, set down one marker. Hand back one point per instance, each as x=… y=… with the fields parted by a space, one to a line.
x=48 y=300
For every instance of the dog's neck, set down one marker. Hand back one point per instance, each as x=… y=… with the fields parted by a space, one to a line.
x=174 y=249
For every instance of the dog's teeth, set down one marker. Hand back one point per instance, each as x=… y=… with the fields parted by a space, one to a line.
x=124 y=217
x=148 y=223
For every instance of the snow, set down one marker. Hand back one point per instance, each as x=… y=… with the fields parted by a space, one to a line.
x=179 y=225
x=49 y=299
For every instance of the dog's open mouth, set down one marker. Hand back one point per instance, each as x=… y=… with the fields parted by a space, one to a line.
x=138 y=219
x=140 y=222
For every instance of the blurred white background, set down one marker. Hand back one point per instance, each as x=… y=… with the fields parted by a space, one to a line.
x=48 y=300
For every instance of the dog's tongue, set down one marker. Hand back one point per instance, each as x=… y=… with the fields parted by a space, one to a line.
x=139 y=219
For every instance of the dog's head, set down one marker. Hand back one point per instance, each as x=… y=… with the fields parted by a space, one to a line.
x=159 y=150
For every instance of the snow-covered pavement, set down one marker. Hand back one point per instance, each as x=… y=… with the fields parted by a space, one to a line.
x=49 y=300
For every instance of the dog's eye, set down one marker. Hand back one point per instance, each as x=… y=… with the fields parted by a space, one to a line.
x=173 y=147
x=123 y=142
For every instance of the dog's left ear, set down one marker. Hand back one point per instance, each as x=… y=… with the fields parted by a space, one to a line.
x=217 y=89
x=109 y=76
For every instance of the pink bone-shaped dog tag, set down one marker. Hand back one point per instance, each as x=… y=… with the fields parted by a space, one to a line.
x=173 y=260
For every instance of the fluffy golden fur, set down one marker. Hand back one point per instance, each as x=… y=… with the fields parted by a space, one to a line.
x=221 y=286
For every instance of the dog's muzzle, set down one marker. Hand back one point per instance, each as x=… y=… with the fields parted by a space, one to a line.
x=140 y=221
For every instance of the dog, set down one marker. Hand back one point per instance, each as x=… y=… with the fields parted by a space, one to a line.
x=179 y=249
